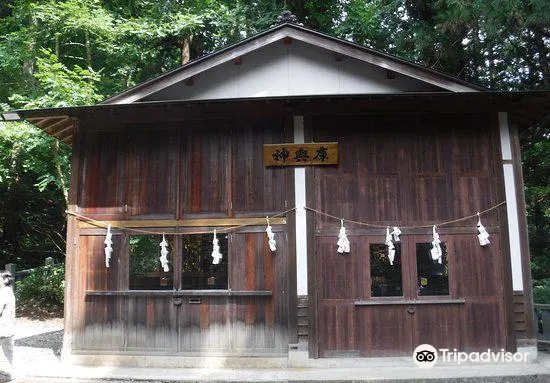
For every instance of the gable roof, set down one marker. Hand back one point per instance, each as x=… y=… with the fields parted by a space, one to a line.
x=306 y=35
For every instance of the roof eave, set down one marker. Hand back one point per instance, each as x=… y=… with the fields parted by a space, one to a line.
x=528 y=107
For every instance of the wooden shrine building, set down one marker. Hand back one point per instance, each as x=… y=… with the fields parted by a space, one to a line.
x=307 y=130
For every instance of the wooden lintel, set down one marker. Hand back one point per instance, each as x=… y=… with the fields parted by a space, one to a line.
x=183 y=293
x=199 y=222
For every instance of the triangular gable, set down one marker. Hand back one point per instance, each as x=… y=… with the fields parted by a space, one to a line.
x=413 y=77
x=292 y=69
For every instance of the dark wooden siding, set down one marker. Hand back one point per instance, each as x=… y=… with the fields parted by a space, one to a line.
x=100 y=324
x=185 y=170
x=150 y=323
x=102 y=173
x=257 y=189
x=206 y=171
x=152 y=171
x=519 y=316
x=410 y=171
x=303 y=319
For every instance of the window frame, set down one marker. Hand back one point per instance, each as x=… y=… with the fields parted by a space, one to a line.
x=409 y=272
x=175 y=257
x=171 y=257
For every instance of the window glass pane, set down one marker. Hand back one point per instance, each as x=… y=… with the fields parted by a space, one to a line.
x=386 y=278
x=197 y=270
x=146 y=272
x=433 y=277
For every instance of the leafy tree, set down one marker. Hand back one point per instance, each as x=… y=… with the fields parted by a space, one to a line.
x=31 y=214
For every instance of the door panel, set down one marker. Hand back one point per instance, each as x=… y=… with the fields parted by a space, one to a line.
x=384 y=330
x=468 y=318
x=440 y=325
x=203 y=326
x=151 y=323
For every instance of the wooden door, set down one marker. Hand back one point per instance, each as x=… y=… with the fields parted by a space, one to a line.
x=455 y=304
x=249 y=319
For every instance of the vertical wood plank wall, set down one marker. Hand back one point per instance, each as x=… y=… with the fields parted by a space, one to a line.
x=207 y=169
x=407 y=171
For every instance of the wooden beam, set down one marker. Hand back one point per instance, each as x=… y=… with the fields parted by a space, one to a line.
x=200 y=222
x=50 y=128
x=43 y=123
x=61 y=133
x=64 y=133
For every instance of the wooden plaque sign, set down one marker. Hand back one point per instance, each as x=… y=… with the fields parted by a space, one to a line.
x=319 y=153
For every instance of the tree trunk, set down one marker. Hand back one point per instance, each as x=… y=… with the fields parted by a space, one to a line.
x=59 y=171
x=88 y=48
x=88 y=52
x=543 y=57
x=186 y=50
x=57 y=45
x=13 y=221
x=28 y=64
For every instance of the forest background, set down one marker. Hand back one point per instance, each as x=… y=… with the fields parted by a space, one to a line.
x=78 y=52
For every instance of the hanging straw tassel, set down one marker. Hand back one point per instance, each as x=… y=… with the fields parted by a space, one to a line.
x=108 y=246
x=216 y=255
x=391 y=247
x=164 y=254
x=483 y=236
x=343 y=242
x=396 y=233
x=436 y=252
x=270 y=236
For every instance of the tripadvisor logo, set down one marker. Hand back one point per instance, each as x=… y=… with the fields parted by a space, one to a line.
x=426 y=356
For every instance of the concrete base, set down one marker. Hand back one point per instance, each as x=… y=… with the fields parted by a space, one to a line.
x=297 y=367
x=170 y=361
x=298 y=357
x=530 y=351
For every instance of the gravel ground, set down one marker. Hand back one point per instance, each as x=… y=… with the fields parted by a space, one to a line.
x=44 y=335
x=47 y=333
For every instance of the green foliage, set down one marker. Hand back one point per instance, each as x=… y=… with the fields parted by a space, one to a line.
x=144 y=254
x=32 y=204
x=43 y=286
x=541 y=291
x=536 y=164
x=60 y=86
